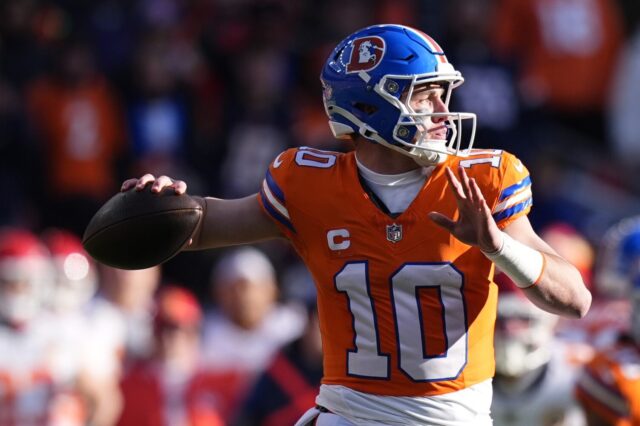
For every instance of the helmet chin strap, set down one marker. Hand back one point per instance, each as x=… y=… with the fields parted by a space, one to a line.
x=422 y=157
x=427 y=158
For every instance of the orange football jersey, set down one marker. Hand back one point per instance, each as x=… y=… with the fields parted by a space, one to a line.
x=405 y=308
x=610 y=385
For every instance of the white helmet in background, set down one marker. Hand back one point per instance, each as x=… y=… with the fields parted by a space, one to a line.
x=25 y=275
x=523 y=332
x=75 y=274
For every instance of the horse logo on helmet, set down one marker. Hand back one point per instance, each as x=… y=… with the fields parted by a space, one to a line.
x=366 y=54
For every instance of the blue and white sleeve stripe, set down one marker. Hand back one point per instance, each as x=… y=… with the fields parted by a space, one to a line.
x=513 y=200
x=274 y=201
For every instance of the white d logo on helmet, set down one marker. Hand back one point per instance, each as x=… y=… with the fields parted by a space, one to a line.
x=366 y=54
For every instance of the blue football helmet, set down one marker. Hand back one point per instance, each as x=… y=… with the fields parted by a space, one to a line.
x=368 y=83
x=618 y=267
x=618 y=264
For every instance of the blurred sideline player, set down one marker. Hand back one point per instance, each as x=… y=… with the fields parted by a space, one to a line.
x=401 y=236
x=609 y=386
x=535 y=375
x=119 y=319
x=166 y=387
x=248 y=324
x=84 y=351
x=126 y=298
x=35 y=389
x=290 y=383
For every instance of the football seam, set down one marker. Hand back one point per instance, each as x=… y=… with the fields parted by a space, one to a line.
x=199 y=208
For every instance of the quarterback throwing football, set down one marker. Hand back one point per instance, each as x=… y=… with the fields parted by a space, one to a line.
x=401 y=236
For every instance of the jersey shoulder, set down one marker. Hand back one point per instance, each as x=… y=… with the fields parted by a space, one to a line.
x=299 y=177
x=304 y=160
x=503 y=179
x=301 y=169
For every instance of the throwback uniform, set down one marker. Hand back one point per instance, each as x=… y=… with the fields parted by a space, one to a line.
x=405 y=308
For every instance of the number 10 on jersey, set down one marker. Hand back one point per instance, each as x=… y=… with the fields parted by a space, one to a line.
x=367 y=360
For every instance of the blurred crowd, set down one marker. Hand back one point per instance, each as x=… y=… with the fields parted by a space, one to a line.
x=210 y=91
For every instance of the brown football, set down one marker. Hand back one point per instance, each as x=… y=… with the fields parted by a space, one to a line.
x=140 y=229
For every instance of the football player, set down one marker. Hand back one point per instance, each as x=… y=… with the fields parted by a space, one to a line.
x=535 y=372
x=167 y=386
x=34 y=390
x=401 y=236
x=83 y=353
x=609 y=386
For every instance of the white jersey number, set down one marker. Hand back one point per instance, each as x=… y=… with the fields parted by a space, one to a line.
x=314 y=158
x=494 y=160
x=367 y=360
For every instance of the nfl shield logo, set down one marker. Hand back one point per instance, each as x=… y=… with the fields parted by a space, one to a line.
x=394 y=233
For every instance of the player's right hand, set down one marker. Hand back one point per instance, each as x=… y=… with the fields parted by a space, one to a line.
x=157 y=184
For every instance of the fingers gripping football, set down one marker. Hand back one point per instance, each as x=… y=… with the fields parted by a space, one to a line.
x=157 y=184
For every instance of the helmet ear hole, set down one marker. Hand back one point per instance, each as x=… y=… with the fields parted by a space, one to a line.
x=365 y=108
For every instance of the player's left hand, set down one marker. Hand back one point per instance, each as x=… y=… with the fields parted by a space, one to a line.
x=475 y=224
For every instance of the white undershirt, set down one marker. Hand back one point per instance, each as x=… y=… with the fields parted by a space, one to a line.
x=395 y=191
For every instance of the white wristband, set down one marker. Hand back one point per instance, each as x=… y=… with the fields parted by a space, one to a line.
x=520 y=262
